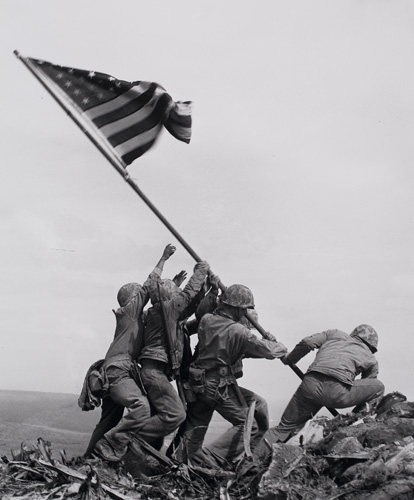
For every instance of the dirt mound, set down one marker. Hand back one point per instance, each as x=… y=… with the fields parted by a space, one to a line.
x=355 y=456
x=364 y=457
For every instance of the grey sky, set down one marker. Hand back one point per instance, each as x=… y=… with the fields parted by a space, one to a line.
x=298 y=180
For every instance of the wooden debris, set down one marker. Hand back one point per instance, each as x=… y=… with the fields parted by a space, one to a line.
x=63 y=469
x=247 y=430
x=137 y=441
x=366 y=458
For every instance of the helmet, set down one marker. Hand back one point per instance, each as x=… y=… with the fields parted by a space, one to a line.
x=245 y=322
x=368 y=335
x=127 y=292
x=168 y=290
x=238 y=296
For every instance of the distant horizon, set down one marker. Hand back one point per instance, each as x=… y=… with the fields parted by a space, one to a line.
x=28 y=415
x=272 y=407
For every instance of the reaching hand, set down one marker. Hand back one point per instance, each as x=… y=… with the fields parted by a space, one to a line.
x=271 y=337
x=168 y=251
x=202 y=266
x=180 y=277
x=214 y=280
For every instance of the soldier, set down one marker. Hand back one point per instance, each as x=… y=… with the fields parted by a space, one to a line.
x=219 y=448
x=223 y=342
x=330 y=380
x=120 y=370
x=161 y=356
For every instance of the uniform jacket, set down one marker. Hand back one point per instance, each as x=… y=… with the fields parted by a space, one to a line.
x=128 y=337
x=224 y=342
x=156 y=345
x=340 y=356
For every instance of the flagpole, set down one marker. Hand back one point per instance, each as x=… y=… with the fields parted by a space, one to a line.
x=121 y=169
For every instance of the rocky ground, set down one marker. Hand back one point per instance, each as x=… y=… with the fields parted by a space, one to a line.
x=365 y=456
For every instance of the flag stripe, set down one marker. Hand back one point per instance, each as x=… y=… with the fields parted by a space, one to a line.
x=181 y=133
x=118 y=101
x=157 y=117
x=183 y=109
x=132 y=119
x=179 y=121
x=128 y=158
x=138 y=101
x=138 y=141
x=183 y=121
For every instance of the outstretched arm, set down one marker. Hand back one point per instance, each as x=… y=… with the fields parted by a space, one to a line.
x=306 y=345
x=168 y=251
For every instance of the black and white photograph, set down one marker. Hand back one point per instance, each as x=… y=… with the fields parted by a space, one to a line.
x=207 y=271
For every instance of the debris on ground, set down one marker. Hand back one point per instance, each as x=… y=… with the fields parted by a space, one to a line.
x=364 y=456
x=34 y=473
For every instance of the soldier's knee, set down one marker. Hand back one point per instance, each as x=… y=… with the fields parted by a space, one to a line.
x=173 y=420
x=140 y=404
x=181 y=418
x=380 y=390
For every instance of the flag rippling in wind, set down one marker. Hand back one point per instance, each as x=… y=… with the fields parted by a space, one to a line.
x=128 y=116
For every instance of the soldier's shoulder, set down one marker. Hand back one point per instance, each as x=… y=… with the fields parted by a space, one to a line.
x=336 y=333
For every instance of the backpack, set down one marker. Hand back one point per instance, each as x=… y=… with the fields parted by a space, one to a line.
x=94 y=387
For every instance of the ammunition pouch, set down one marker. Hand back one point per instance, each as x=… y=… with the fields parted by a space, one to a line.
x=225 y=371
x=237 y=369
x=197 y=379
x=189 y=394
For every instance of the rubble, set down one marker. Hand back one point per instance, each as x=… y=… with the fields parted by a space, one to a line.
x=35 y=473
x=366 y=456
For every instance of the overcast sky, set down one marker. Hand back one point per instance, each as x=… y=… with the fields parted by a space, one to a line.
x=298 y=181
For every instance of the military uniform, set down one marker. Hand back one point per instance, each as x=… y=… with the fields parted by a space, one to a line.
x=121 y=372
x=223 y=342
x=157 y=366
x=331 y=379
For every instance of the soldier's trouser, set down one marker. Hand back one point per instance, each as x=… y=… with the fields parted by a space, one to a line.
x=110 y=416
x=169 y=411
x=316 y=391
x=221 y=445
x=124 y=391
x=261 y=413
x=232 y=407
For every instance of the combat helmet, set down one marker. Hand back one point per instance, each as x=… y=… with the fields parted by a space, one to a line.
x=127 y=292
x=238 y=296
x=167 y=288
x=368 y=335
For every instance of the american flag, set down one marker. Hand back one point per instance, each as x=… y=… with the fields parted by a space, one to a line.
x=127 y=115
